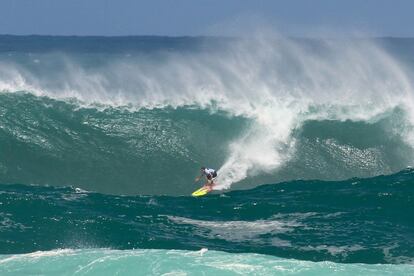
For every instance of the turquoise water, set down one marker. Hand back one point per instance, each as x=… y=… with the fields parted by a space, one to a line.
x=159 y=151
x=101 y=138
x=177 y=262
x=353 y=221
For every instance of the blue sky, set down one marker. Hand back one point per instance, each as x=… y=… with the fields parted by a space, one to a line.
x=206 y=17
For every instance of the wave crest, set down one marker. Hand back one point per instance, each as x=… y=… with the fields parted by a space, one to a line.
x=275 y=82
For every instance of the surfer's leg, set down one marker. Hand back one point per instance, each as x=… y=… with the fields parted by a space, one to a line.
x=210 y=184
x=207 y=184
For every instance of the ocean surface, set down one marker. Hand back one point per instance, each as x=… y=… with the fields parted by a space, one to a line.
x=101 y=139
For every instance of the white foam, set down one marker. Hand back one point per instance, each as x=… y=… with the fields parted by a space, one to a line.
x=334 y=250
x=276 y=82
x=38 y=254
x=240 y=230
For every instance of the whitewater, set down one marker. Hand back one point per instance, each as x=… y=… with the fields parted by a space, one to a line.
x=101 y=138
x=175 y=262
x=276 y=84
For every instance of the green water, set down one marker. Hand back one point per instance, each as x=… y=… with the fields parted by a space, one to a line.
x=178 y=262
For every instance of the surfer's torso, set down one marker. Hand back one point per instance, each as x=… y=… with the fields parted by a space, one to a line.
x=210 y=173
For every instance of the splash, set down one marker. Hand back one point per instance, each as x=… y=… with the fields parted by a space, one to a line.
x=276 y=82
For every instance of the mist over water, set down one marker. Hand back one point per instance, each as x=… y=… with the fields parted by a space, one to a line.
x=142 y=119
x=125 y=123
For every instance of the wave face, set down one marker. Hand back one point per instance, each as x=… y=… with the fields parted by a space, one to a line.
x=100 y=139
x=140 y=115
x=112 y=151
x=178 y=262
x=158 y=151
x=353 y=221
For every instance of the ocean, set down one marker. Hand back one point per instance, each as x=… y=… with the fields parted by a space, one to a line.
x=101 y=139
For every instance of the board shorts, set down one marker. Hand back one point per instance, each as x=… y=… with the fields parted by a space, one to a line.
x=211 y=178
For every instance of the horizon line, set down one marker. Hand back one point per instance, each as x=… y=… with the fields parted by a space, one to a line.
x=199 y=36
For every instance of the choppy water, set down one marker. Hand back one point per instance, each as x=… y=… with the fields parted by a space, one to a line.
x=101 y=138
x=358 y=220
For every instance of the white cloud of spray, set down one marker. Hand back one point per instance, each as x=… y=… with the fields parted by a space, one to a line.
x=276 y=82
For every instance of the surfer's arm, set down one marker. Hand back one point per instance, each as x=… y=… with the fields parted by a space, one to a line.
x=198 y=178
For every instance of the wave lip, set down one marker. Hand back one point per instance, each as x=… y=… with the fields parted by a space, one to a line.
x=275 y=83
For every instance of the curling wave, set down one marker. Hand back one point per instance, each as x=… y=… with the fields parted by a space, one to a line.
x=129 y=120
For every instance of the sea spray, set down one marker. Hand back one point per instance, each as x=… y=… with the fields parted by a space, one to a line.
x=275 y=83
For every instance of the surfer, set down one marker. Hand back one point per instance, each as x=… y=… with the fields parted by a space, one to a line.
x=210 y=174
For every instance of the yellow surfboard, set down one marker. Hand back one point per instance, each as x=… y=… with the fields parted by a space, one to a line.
x=202 y=191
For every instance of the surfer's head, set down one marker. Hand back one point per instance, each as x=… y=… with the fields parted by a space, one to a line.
x=202 y=168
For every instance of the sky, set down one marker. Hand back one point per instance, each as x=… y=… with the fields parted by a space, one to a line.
x=207 y=17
